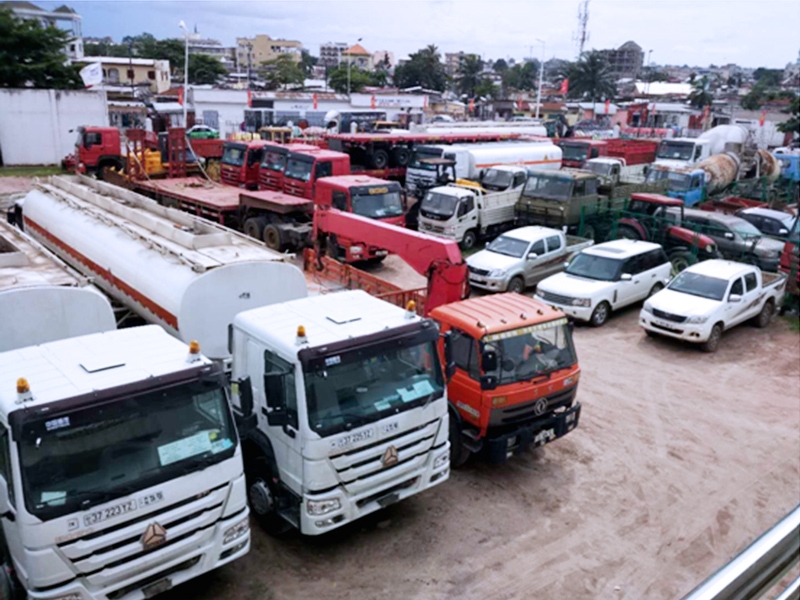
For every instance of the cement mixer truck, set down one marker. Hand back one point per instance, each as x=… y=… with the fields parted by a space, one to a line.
x=339 y=398
x=678 y=153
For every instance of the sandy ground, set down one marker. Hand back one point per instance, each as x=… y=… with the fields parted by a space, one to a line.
x=681 y=459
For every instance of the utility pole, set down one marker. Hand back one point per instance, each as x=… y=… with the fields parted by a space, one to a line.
x=182 y=25
x=349 y=61
x=582 y=35
x=541 y=76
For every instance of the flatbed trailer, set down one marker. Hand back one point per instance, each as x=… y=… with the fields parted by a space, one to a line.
x=208 y=199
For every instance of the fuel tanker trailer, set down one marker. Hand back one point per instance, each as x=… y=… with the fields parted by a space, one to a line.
x=187 y=274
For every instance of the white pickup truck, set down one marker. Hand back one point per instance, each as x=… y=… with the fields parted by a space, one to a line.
x=522 y=257
x=711 y=297
x=467 y=211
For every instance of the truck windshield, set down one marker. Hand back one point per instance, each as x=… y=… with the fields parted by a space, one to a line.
x=592 y=266
x=234 y=155
x=532 y=351
x=378 y=206
x=548 y=187
x=440 y=205
x=602 y=169
x=672 y=150
x=423 y=154
x=74 y=460
x=274 y=160
x=574 y=151
x=299 y=168
x=496 y=180
x=509 y=246
x=695 y=284
x=364 y=386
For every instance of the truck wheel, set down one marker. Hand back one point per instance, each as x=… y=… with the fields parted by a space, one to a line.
x=10 y=588
x=626 y=232
x=401 y=156
x=459 y=455
x=516 y=285
x=469 y=241
x=712 y=343
x=273 y=238
x=680 y=259
x=764 y=318
x=589 y=232
x=254 y=227
x=655 y=289
x=380 y=159
x=104 y=170
x=600 y=314
x=262 y=498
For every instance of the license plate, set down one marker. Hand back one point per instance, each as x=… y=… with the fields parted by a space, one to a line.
x=109 y=512
x=390 y=428
x=352 y=438
x=661 y=323
x=388 y=500
x=477 y=279
x=157 y=588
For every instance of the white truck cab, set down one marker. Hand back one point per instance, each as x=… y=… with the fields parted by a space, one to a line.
x=350 y=408
x=676 y=153
x=121 y=472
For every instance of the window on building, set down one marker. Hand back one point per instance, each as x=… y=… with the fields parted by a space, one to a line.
x=151 y=75
x=113 y=75
x=130 y=74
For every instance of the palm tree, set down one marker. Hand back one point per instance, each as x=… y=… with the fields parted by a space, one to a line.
x=700 y=96
x=591 y=78
x=469 y=74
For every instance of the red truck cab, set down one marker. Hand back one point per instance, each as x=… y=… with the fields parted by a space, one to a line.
x=97 y=149
x=306 y=166
x=273 y=164
x=577 y=151
x=240 y=163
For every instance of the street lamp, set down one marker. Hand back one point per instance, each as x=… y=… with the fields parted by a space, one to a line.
x=182 y=25
x=649 y=74
x=541 y=73
x=349 y=61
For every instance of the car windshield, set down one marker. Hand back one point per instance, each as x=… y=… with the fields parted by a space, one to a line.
x=602 y=169
x=592 y=266
x=274 y=160
x=679 y=182
x=703 y=286
x=574 y=151
x=549 y=187
x=509 y=246
x=497 y=180
x=532 y=352
x=671 y=150
x=363 y=386
x=234 y=155
x=73 y=460
x=442 y=205
x=297 y=168
x=422 y=154
x=654 y=175
x=378 y=206
x=745 y=229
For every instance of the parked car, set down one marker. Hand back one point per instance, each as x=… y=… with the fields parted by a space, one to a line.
x=607 y=277
x=522 y=257
x=768 y=221
x=736 y=238
x=202 y=132
x=711 y=297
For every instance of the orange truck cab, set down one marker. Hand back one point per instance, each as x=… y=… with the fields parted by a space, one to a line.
x=270 y=172
x=305 y=166
x=240 y=163
x=514 y=375
x=577 y=151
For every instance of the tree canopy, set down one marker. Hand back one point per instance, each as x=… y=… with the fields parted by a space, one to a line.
x=359 y=79
x=32 y=55
x=590 y=77
x=469 y=75
x=700 y=96
x=793 y=124
x=522 y=76
x=424 y=68
x=282 y=71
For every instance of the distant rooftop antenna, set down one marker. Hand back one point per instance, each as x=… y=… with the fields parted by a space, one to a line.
x=581 y=36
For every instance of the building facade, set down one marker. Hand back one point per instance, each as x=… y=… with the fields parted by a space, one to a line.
x=123 y=72
x=225 y=54
x=625 y=61
x=330 y=54
x=358 y=56
x=63 y=17
x=382 y=57
x=262 y=48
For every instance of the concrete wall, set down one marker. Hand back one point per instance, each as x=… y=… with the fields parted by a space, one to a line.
x=35 y=124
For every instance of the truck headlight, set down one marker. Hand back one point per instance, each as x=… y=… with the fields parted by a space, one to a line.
x=647 y=307
x=236 y=531
x=710 y=248
x=581 y=302
x=497 y=273
x=321 y=507
x=441 y=461
x=697 y=320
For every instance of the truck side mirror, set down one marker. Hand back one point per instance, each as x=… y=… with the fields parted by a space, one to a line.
x=246 y=396
x=488 y=382
x=625 y=277
x=489 y=360
x=274 y=391
x=532 y=255
x=449 y=363
x=728 y=235
x=783 y=231
x=5 y=505
x=734 y=298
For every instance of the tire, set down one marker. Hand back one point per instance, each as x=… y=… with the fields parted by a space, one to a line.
x=262 y=498
x=380 y=159
x=254 y=227
x=104 y=170
x=516 y=285
x=655 y=289
x=600 y=314
x=273 y=237
x=589 y=232
x=459 y=455
x=469 y=241
x=764 y=318
x=401 y=156
x=680 y=259
x=712 y=343
x=626 y=232
x=650 y=334
x=10 y=588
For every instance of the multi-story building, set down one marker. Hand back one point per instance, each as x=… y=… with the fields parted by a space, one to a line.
x=225 y=54
x=358 y=56
x=124 y=72
x=452 y=61
x=63 y=17
x=383 y=57
x=625 y=61
x=330 y=54
x=262 y=48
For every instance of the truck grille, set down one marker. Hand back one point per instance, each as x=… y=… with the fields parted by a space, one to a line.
x=522 y=413
x=431 y=228
x=362 y=469
x=554 y=298
x=668 y=316
x=479 y=272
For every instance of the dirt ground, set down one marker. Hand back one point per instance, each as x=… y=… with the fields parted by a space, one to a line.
x=680 y=460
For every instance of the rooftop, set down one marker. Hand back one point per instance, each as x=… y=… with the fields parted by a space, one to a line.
x=721 y=269
x=621 y=249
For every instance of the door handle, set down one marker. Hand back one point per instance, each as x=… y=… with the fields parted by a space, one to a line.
x=289 y=431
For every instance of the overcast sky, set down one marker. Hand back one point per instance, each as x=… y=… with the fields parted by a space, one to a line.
x=751 y=33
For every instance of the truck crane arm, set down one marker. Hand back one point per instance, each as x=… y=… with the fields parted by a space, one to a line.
x=437 y=259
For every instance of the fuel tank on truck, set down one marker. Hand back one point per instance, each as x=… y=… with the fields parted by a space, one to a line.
x=721 y=170
x=189 y=275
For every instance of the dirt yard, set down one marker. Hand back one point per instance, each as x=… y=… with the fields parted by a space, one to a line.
x=681 y=459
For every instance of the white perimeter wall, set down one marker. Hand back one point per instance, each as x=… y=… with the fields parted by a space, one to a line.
x=35 y=124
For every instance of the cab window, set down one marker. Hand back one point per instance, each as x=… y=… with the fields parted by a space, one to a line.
x=5 y=464
x=92 y=139
x=339 y=201
x=750 y=282
x=737 y=288
x=538 y=248
x=465 y=353
x=553 y=243
x=323 y=169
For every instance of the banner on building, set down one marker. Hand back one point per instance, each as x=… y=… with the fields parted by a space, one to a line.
x=564 y=87
x=92 y=74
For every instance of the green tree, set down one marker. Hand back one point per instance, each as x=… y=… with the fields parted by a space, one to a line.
x=282 y=71
x=34 y=55
x=653 y=75
x=486 y=88
x=792 y=125
x=337 y=79
x=522 y=77
x=204 y=69
x=469 y=74
x=500 y=66
x=590 y=77
x=700 y=96
x=768 y=77
x=424 y=68
x=307 y=62
x=753 y=99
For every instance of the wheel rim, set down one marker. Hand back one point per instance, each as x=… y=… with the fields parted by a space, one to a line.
x=679 y=264
x=600 y=314
x=272 y=238
x=469 y=240
x=714 y=339
x=766 y=313
x=515 y=286
x=260 y=497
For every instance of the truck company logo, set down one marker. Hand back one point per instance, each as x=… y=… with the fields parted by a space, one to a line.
x=389 y=457
x=540 y=406
x=153 y=536
x=544 y=436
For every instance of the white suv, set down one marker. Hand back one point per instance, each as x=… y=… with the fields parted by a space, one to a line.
x=606 y=277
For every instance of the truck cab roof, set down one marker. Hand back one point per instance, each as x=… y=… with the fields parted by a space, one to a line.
x=720 y=269
x=531 y=233
x=621 y=249
x=90 y=364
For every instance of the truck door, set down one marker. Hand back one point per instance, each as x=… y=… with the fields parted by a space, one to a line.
x=750 y=298
x=464 y=388
x=534 y=264
x=553 y=260
x=466 y=217
x=10 y=541
x=736 y=311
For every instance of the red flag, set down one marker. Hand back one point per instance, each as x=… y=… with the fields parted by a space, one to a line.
x=314 y=98
x=564 y=87
x=180 y=96
x=608 y=106
x=705 y=113
x=519 y=103
x=763 y=117
x=372 y=102
x=471 y=104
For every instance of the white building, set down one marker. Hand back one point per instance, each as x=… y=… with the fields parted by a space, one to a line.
x=63 y=17
x=330 y=54
x=225 y=54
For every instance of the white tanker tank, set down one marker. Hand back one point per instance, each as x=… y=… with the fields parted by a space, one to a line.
x=522 y=128
x=43 y=300
x=189 y=275
x=725 y=137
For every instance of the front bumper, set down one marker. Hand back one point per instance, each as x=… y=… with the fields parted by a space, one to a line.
x=690 y=332
x=538 y=433
x=491 y=284
x=389 y=491
x=580 y=313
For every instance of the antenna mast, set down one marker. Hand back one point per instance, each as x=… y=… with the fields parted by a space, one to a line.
x=581 y=36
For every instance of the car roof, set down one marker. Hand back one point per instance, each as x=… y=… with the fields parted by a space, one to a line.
x=530 y=233
x=766 y=212
x=721 y=269
x=712 y=216
x=621 y=249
